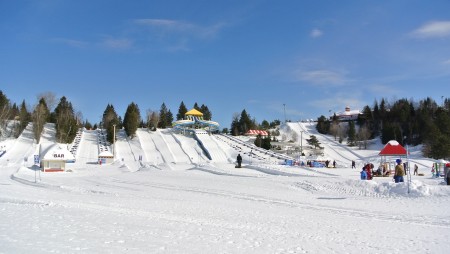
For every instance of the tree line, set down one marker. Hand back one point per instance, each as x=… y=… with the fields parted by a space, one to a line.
x=243 y=122
x=406 y=121
x=67 y=121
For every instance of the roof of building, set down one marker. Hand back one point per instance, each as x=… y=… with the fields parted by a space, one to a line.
x=393 y=148
x=257 y=132
x=194 y=112
x=58 y=152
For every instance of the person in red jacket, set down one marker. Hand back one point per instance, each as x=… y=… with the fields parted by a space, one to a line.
x=369 y=172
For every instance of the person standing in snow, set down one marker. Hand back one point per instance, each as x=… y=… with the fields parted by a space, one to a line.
x=399 y=172
x=334 y=164
x=368 y=171
x=353 y=165
x=239 y=160
x=363 y=174
x=416 y=169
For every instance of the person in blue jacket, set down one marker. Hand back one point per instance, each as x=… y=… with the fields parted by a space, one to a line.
x=363 y=174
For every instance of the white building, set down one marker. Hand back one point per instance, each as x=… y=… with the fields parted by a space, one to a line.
x=348 y=114
x=54 y=157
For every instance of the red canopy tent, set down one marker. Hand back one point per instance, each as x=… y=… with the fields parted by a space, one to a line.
x=392 y=149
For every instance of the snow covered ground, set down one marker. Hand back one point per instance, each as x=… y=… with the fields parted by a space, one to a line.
x=193 y=205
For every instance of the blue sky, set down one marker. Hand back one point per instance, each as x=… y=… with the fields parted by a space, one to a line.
x=312 y=56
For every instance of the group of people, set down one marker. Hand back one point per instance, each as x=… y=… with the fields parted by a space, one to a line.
x=327 y=163
x=367 y=171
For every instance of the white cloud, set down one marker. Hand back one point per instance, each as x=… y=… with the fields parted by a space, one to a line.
x=315 y=33
x=433 y=29
x=71 y=42
x=117 y=43
x=181 y=27
x=379 y=89
x=165 y=24
x=322 y=77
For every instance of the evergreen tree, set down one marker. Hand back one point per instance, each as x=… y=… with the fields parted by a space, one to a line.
x=376 y=119
x=266 y=143
x=24 y=117
x=437 y=144
x=206 y=113
x=245 y=123
x=258 y=141
x=66 y=122
x=131 y=120
x=235 y=125
x=109 y=119
x=264 y=125
x=181 y=111
x=14 y=112
x=87 y=125
x=351 y=140
x=323 y=125
x=40 y=116
x=313 y=141
x=263 y=142
x=4 y=111
x=169 y=119
x=275 y=123
x=164 y=117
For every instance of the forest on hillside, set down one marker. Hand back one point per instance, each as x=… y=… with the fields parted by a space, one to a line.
x=67 y=121
x=406 y=121
x=410 y=123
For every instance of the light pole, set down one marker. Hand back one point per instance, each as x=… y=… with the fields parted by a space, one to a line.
x=284 y=105
x=114 y=141
x=301 y=143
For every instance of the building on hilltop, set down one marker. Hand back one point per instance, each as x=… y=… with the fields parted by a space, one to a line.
x=348 y=115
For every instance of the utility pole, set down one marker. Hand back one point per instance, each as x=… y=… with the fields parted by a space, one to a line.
x=114 y=142
x=284 y=105
x=301 y=143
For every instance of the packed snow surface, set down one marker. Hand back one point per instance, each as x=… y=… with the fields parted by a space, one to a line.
x=175 y=200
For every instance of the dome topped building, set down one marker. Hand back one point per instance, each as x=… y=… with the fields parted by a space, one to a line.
x=348 y=115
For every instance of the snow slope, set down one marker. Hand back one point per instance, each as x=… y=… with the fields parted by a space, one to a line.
x=87 y=152
x=19 y=149
x=210 y=144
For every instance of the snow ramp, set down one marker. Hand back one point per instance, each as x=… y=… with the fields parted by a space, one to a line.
x=211 y=146
x=129 y=150
x=154 y=147
x=175 y=148
x=87 y=153
x=22 y=148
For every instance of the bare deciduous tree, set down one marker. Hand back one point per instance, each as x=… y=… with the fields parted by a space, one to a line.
x=50 y=99
x=152 y=119
x=363 y=136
